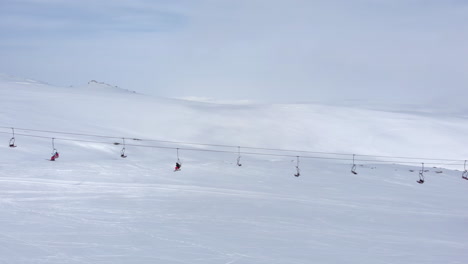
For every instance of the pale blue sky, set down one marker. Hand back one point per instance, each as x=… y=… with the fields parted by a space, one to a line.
x=270 y=50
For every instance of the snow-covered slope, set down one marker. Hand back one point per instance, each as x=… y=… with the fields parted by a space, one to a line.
x=91 y=206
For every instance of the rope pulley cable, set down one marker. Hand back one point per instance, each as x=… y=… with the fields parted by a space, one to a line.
x=434 y=161
x=255 y=151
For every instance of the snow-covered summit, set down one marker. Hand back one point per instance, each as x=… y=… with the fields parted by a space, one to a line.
x=102 y=86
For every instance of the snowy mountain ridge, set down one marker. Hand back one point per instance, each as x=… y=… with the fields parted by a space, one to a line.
x=93 y=84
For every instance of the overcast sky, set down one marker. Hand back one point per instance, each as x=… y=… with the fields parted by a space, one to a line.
x=267 y=50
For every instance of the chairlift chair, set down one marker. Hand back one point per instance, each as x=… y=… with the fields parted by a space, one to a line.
x=421 y=178
x=465 y=172
x=122 y=152
x=421 y=175
x=238 y=157
x=178 y=164
x=55 y=154
x=298 y=171
x=353 y=168
x=12 y=143
x=12 y=140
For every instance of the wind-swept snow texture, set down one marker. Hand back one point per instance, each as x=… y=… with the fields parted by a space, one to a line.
x=91 y=206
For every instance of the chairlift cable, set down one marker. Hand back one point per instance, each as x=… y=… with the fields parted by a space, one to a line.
x=231 y=146
x=251 y=153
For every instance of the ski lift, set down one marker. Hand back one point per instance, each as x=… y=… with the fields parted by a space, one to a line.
x=55 y=153
x=465 y=172
x=122 y=152
x=353 y=168
x=421 y=175
x=238 y=157
x=298 y=171
x=178 y=164
x=12 y=140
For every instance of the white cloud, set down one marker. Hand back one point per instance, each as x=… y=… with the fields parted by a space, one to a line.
x=261 y=50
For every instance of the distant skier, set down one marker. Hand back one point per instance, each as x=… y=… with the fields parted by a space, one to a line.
x=177 y=166
x=55 y=156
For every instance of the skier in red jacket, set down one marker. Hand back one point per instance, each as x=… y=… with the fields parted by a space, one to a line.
x=177 y=166
x=54 y=156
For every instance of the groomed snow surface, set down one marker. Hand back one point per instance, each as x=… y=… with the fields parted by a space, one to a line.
x=91 y=206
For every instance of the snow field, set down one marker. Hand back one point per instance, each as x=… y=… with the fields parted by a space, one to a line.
x=91 y=206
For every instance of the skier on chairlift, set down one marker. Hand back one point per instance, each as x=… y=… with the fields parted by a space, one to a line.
x=177 y=166
x=54 y=156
